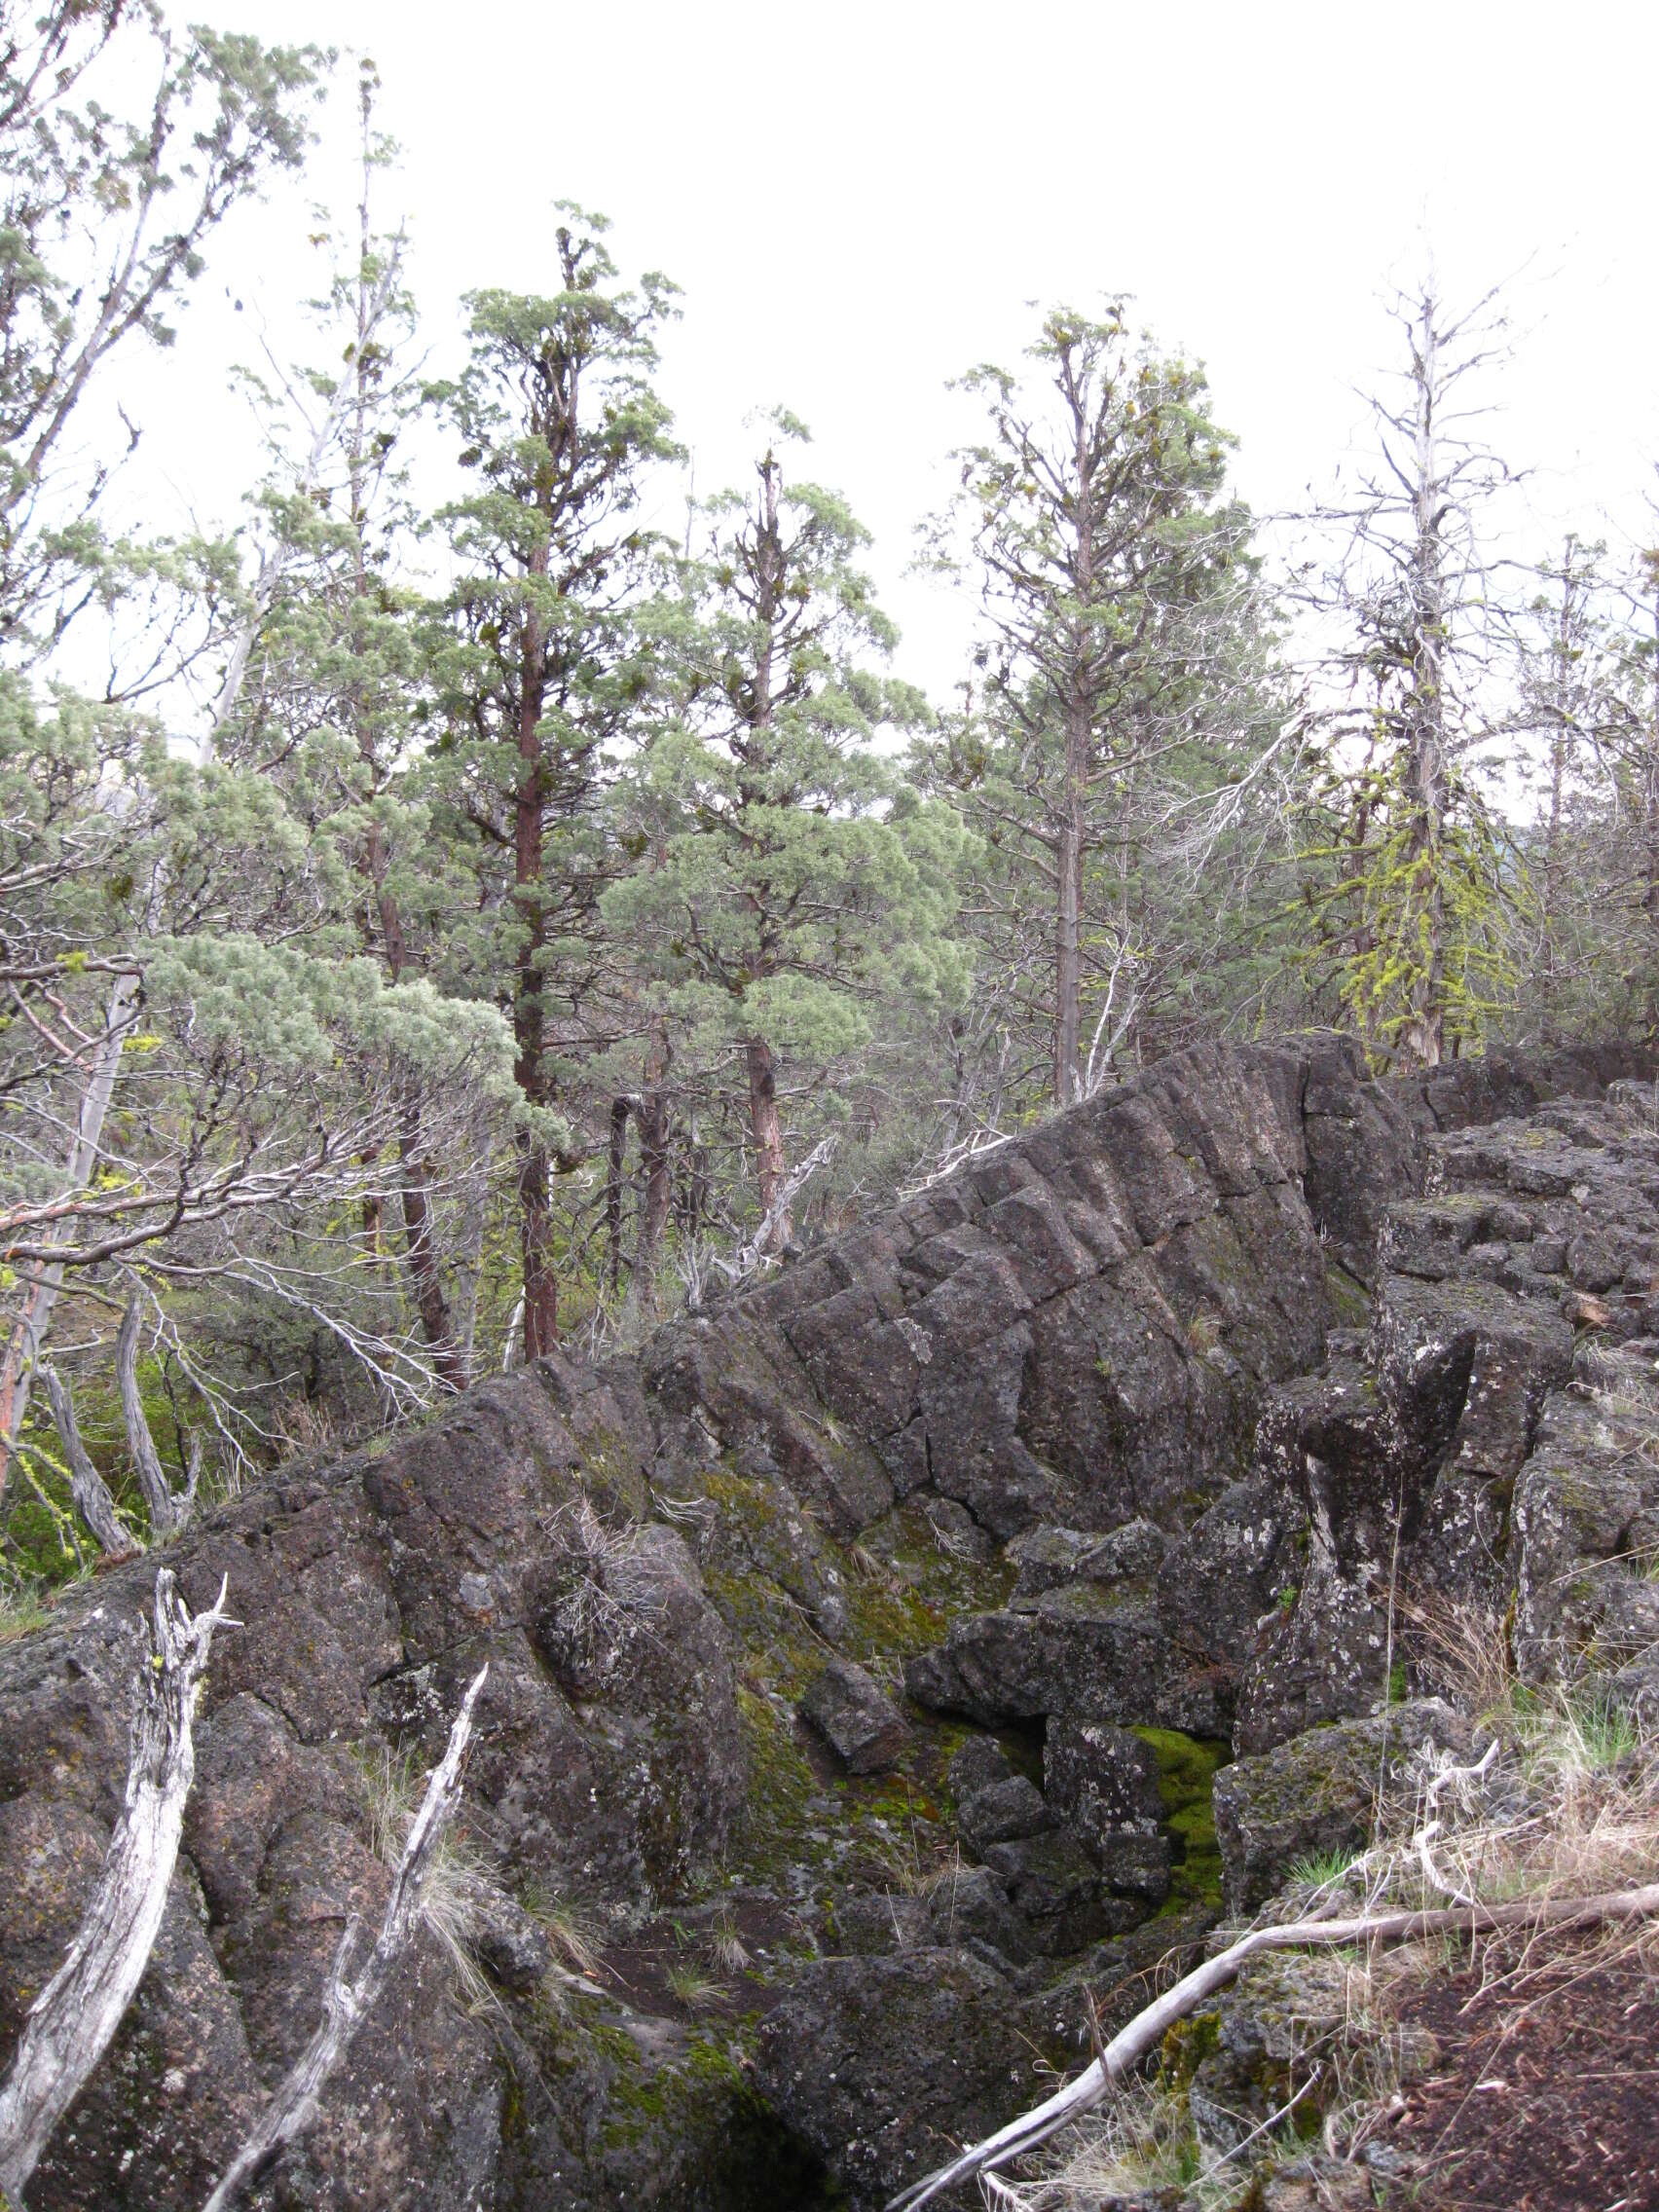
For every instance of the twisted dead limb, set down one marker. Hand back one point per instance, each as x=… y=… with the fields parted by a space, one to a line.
x=347 y=2002
x=73 y=2019
x=169 y=1512
x=1147 y=2028
x=87 y=1488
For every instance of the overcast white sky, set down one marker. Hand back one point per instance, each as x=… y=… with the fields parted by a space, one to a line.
x=860 y=200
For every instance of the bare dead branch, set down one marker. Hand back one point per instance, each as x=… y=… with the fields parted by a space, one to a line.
x=72 y=2020
x=164 y=1509
x=1149 y=2026
x=346 y=2003
x=87 y=1488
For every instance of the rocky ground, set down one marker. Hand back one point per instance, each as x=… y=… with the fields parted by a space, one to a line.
x=891 y=1668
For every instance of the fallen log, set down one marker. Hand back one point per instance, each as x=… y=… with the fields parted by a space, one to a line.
x=1149 y=2027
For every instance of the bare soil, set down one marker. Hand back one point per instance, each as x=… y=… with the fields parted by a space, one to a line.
x=1544 y=2096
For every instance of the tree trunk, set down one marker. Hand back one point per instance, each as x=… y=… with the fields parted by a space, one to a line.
x=28 y=1332
x=1068 y=965
x=617 y=1160
x=767 y=1133
x=419 y=1252
x=536 y=1248
x=651 y=1114
x=87 y=1488
x=536 y=1206
x=1068 y=854
x=1426 y=769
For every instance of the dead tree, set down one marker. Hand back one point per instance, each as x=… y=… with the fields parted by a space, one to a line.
x=87 y=1488
x=348 y=1999
x=169 y=1511
x=72 y=2020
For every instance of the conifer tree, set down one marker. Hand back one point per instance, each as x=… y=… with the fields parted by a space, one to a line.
x=541 y=668
x=1114 y=591
x=791 y=882
x=1408 y=869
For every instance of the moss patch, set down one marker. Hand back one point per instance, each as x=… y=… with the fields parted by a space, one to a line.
x=1187 y=1768
x=1346 y=1299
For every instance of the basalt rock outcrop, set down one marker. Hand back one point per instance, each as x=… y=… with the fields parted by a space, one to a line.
x=888 y=1667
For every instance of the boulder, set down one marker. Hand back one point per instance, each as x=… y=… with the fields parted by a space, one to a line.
x=877 y=2062
x=1103 y=1782
x=855 y=1716
x=1317 y=1794
x=1002 y=1812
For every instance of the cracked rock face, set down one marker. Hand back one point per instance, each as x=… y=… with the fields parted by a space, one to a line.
x=1119 y=1447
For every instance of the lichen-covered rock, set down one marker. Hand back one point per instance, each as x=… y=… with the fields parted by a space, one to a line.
x=1263 y=2026
x=855 y=1716
x=1082 y=1651
x=1002 y=1812
x=1103 y=1346
x=1318 y=1793
x=878 y=2063
x=1103 y=1781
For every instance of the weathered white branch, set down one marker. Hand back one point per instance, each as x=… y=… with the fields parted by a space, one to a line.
x=346 y=2003
x=87 y=1488
x=73 y=2019
x=166 y=1512
x=747 y=1259
x=1147 y=2028
x=1464 y=1780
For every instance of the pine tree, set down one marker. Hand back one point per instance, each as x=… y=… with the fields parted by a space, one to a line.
x=1117 y=598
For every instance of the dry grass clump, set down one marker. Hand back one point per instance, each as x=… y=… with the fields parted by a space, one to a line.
x=458 y=1878
x=461 y=1891
x=575 y=1933
x=1567 y=1799
x=731 y=1952
x=1561 y=1803
x=1141 y=2140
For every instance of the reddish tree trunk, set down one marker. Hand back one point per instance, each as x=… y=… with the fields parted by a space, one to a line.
x=767 y=1131
x=535 y=1209
x=613 y=1192
x=652 y=1116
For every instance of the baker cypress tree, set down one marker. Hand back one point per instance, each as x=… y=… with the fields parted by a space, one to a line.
x=790 y=880
x=539 y=670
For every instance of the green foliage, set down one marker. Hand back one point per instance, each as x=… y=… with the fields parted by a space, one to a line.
x=479 y=966
x=1124 y=710
x=792 y=890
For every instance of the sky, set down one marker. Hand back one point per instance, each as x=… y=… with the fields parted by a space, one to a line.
x=862 y=201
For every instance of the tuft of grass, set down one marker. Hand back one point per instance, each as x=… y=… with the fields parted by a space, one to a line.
x=1463 y=1652
x=693 y=1988
x=1321 y=1869
x=458 y=1881
x=573 y=1931
x=731 y=1953
x=21 y=1612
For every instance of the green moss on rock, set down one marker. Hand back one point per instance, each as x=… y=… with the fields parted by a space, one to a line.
x=1187 y=1768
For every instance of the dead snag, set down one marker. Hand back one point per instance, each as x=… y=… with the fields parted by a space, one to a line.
x=73 y=2019
x=87 y=1488
x=346 y=2003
